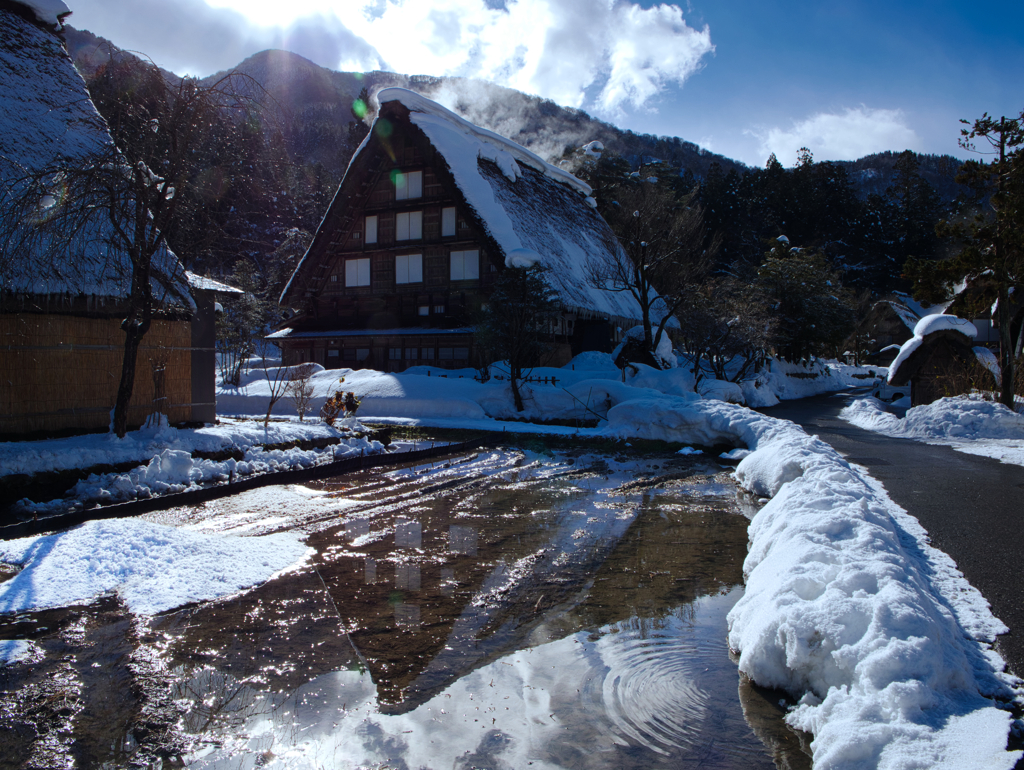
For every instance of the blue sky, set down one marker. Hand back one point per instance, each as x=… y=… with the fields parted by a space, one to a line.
x=743 y=78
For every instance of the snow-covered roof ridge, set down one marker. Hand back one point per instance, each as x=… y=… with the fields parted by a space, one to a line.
x=47 y=11
x=905 y=313
x=940 y=322
x=419 y=106
x=209 y=284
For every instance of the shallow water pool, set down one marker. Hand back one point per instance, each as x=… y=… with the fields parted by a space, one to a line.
x=546 y=608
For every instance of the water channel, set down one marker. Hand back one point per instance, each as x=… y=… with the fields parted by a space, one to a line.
x=529 y=606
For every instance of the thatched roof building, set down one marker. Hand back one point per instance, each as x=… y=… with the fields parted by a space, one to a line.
x=430 y=210
x=888 y=324
x=61 y=307
x=49 y=123
x=941 y=360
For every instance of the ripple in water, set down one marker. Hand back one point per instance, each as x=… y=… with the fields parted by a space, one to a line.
x=649 y=691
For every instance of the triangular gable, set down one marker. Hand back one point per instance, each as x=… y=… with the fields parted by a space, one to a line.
x=527 y=209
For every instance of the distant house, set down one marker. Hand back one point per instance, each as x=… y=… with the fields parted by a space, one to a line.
x=430 y=211
x=888 y=324
x=60 y=314
x=977 y=300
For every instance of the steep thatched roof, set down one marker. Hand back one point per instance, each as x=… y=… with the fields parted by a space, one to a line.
x=930 y=331
x=529 y=210
x=48 y=122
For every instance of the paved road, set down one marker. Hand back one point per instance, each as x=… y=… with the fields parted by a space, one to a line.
x=972 y=507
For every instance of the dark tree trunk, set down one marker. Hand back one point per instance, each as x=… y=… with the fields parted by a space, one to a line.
x=517 y=397
x=1005 y=347
x=134 y=332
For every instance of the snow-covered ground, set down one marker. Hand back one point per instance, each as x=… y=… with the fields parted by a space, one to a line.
x=582 y=390
x=847 y=606
x=970 y=424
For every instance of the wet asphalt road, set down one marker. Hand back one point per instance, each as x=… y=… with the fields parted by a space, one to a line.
x=972 y=507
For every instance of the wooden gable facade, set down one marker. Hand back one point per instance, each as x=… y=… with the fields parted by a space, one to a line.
x=401 y=265
x=398 y=267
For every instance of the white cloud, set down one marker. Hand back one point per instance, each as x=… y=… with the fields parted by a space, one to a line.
x=847 y=136
x=600 y=54
x=617 y=51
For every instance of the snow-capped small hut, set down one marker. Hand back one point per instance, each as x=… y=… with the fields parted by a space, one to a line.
x=941 y=360
x=61 y=309
x=429 y=212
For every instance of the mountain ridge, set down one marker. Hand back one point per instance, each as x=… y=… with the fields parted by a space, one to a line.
x=314 y=105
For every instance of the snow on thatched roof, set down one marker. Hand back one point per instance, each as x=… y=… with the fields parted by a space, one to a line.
x=48 y=11
x=48 y=121
x=929 y=329
x=532 y=211
x=202 y=283
x=525 y=204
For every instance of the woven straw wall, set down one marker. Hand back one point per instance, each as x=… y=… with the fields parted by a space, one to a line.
x=61 y=372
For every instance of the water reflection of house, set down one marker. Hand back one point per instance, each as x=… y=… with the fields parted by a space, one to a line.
x=431 y=209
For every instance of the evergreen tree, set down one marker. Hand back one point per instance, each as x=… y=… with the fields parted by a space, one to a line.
x=914 y=210
x=814 y=311
x=991 y=246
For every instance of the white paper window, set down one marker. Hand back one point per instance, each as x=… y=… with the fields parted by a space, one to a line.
x=447 y=221
x=408 y=185
x=409 y=226
x=371 y=229
x=465 y=265
x=409 y=268
x=357 y=272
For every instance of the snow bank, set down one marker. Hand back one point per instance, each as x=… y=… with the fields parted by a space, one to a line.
x=28 y=457
x=166 y=462
x=958 y=417
x=847 y=607
x=152 y=568
x=967 y=423
x=427 y=395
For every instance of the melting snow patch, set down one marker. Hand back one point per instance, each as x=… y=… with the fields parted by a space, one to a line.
x=153 y=568
x=18 y=651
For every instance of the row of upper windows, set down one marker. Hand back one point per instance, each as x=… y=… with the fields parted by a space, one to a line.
x=409 y=225
x=462 y=266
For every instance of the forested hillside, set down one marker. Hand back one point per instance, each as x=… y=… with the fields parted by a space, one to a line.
x=272 y=167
